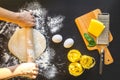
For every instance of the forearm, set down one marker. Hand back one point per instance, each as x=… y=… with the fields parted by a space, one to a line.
x=8 y=16
x=6 y=73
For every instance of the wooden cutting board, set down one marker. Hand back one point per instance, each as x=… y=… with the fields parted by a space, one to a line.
x=82 y=23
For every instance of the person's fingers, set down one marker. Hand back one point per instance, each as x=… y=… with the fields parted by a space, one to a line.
x=33 y=20
x=34 y=72
x=31 y=12
x=23 y=11
x=35 y=69
x=33 y=77
x=30 y=24
x=31 y=74
x=28 y=72
x=33 y=24
x=36 y=65
x=32 y=17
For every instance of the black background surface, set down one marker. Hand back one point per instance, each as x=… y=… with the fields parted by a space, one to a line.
x=72 y=9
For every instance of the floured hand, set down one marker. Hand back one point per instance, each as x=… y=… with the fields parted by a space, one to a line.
x=25 y=19
x=29 y=70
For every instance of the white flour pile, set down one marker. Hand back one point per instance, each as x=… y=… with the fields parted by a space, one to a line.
x=55 y=23
x=44 y=24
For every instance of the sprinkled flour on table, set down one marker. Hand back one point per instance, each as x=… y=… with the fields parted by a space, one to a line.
x=55 y=23
x=47 y=69
x=44 y=24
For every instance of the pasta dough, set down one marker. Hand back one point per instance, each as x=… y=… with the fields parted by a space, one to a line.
x=17 y=44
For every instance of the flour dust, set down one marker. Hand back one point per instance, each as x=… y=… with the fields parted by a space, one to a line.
x=55 y=23
x=44 y=24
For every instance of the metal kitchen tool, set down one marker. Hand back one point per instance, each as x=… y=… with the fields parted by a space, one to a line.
x=82 y=23
x=103 y=40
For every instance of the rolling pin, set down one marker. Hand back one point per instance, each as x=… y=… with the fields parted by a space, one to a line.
x=29 y=44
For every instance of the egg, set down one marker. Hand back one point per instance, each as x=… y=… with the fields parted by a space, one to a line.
x=68 y=43
x=57 y=38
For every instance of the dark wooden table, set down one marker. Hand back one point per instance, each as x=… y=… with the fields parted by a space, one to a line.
x=72 y=9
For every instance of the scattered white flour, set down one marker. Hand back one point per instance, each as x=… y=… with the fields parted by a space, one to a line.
x=47 y=69
x=44 y=60
x=44 y=24
x=51 y=72
x=55 y=23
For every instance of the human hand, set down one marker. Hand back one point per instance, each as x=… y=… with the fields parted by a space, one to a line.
x=29 y=70
x=25 y=19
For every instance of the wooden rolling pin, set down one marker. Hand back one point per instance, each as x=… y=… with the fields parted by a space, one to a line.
x=29 y=44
